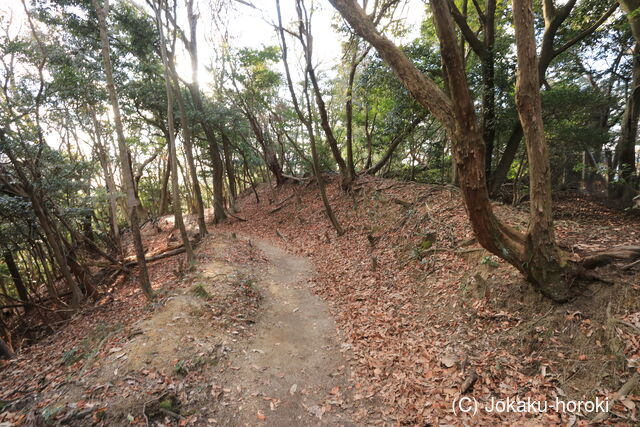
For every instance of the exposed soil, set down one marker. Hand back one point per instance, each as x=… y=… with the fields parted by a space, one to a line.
x=292 y=371
x=238 y=341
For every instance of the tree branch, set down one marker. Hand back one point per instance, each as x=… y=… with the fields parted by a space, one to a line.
x=468 y=34
x=588 y=31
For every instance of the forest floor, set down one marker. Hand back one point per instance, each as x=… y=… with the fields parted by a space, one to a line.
x=238 y=341
x=283 y=323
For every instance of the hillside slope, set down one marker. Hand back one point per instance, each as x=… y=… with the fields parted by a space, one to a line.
x=429 y=314
x=409 y=315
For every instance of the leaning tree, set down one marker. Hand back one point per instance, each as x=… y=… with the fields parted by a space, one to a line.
x=535 y=252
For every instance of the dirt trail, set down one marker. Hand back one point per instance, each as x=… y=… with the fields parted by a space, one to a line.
x=292 y=371
x=239 y=341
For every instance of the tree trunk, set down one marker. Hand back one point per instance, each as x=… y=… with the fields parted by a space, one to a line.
x=245 y=167
x=394 y=144
x=485 y=51
x=196 y=96
x=17 y=279
x=488 y=85
x=264 y=140
x=175 y=188
x=553 y=19
x=369 y=137
x=351 y=169
x=231 y=173
x=499 y=175
x=306 y=39
x=5 y=350
x=81 y=273
x=188 y=148
x=110 y=184
x=127 y=174
x=49 y=279
x=58 y=252
x=546 y=265
x=165 y=197
x=625 y=155
x=307 y=121
x=457 y=115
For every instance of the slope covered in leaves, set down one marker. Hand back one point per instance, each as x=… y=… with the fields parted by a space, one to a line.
x=425 y=316
x=430 y=315
x=118 y=361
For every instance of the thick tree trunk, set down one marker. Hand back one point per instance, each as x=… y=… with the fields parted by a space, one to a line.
x=485 y=51
x=457 y=115
x=127 y=173
x=545 y=263
x=631 y=8
x=553 y=19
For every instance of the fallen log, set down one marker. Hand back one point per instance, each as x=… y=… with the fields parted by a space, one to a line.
x=295 y=178
x=281 y=204
x=236 y=217
x=162 y=255
x=117 y=270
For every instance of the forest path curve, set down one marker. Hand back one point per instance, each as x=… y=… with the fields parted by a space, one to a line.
x=292 y=371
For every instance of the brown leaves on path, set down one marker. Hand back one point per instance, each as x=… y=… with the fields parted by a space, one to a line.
x=408 y=292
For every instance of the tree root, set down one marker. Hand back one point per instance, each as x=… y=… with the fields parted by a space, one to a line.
x=584 y=269
x=622 y=253
x=630 y=266
x=236 y=217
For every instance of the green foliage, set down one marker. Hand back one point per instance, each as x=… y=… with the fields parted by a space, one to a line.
x=489 y=260
x=71 y=356
x=200 y=291
x=178 y=369
x=50 y=412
